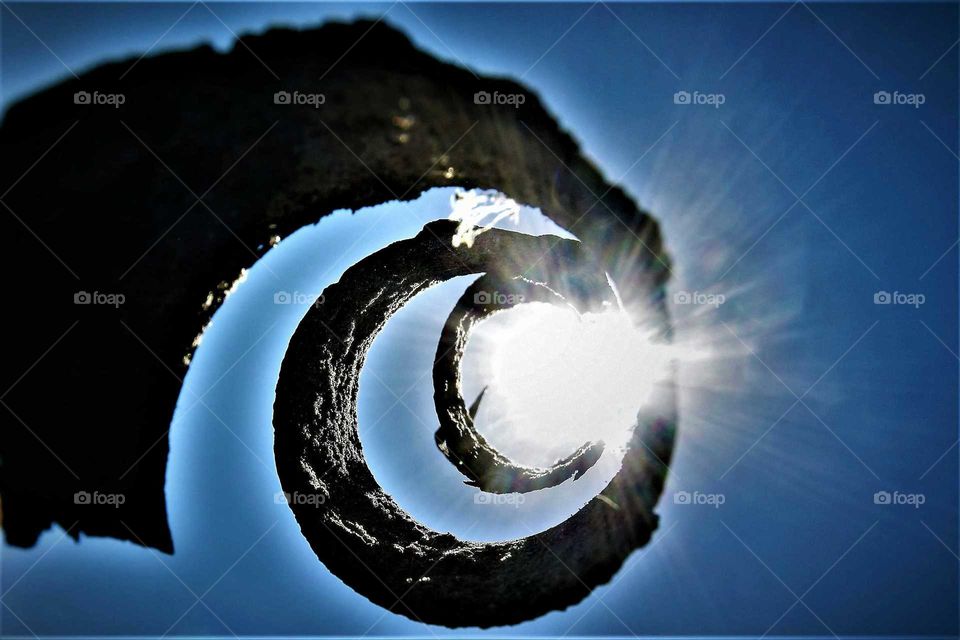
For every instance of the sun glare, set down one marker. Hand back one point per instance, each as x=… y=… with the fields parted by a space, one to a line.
x=556 y=379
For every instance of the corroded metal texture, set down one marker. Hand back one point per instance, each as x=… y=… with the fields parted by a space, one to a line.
x=365 y=537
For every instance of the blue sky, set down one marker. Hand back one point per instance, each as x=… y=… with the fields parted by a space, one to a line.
x=799 y=199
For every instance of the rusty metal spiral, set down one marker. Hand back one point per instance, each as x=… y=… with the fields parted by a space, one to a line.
x=361 y=534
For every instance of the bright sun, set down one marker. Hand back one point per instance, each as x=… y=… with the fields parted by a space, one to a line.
x=556 y=379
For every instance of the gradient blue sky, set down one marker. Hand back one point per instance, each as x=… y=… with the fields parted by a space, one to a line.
x=799 y=518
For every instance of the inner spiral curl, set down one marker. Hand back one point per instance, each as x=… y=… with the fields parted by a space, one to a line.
x=362 y=535
x=578 y=287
